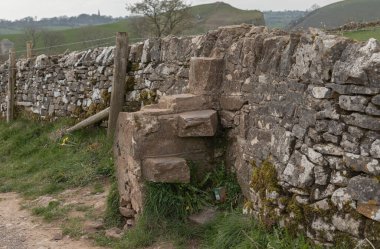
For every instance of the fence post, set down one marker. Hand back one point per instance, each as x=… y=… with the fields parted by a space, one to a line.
x=119 y=80
x=29 y=49
x=11 y=85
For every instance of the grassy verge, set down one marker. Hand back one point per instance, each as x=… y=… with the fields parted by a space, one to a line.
x=34 y=164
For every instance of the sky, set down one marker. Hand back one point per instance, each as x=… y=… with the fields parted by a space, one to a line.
x=17 y=9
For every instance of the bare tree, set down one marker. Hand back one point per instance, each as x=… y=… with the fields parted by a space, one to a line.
x=31 y=34
x=163 y=16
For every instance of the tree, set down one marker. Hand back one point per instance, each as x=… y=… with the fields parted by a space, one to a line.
x=50 y=39
x=163 y=16
x=314 y=7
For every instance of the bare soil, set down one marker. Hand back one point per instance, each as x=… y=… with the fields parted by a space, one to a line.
x=19 y=229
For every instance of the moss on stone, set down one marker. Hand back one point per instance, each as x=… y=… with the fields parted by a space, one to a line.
x=106 y=96
x=147 y=97
x=264 y=178
x=133 y=66
x=130 y=83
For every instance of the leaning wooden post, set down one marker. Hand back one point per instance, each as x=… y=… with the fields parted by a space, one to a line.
x=119 y=79
x=29 y=49
x=11 y=85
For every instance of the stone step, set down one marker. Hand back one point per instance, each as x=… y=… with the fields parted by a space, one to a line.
x=197 y=123
x=166 y=170
x=181 y=103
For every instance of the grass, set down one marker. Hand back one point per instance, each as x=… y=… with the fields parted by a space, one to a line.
x=364 y=34
x=33 y=164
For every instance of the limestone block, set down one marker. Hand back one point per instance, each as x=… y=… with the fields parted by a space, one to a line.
x=206 y=75
x=363 y=121
x=169 y=170
x=362 y=164
x=197 y=124
x=299 y=171
x=353 y=103
x=321 y=92
x=232 y=103
x=364 y=189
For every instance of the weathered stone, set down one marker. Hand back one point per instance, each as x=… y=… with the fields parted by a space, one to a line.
x=321 y=92
x=372 y=110
x=375 y=148
x=127 y=212
x=325 y=229
x=362 y=164
x=341 y=198
x=169 y=170
x=363 y=121
x=339 y=178
x=347 y=224
x=232 y=102
x=364 y=189
x=299 y=171
x=328 y=149
x=206 y=75
x=353 y=103
x=369 y=211
x=197 y=124
x=330 y=138
x=376 y=100
x=321 y=175
x=322 y=192
x=298 y=131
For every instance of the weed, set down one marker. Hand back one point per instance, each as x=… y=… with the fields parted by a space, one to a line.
x=53 y=211
x=73 y=228
x=112 y=216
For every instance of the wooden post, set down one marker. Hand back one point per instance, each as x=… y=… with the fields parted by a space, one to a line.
x=119 y=80
x=29 y=49
x=11 y=85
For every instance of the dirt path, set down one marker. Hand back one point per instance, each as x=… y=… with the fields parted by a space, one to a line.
x=20 y=230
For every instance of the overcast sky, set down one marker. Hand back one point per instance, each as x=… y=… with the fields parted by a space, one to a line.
x=17 y=9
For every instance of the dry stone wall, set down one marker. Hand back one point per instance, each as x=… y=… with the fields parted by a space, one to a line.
x=301 y=111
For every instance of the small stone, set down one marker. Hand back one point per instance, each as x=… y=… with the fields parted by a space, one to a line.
x=127 y=212
x=204 y=217
x=58 y=236
x=364 y=189
x=376 y=100
x=198 y=124
x=321 y=92
x=372 y=110
x=347 y=224
x=339 y=178
x=330 y=138
x=92 y=226
x=321 y=205
x=375 y=148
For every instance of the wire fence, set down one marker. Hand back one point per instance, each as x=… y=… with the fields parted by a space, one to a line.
x=72 y=46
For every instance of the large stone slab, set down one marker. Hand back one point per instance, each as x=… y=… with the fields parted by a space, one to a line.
x=197 y=124
x=206 y=75
x=167 y=169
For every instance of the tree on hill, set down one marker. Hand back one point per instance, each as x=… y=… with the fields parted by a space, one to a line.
x=162 y=17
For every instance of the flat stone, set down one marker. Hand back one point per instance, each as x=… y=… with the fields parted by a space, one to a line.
x=321 y=92
x=232 y=102
x=363 y=121
x=168 y=170
x=197 y=123
x=372 y=110
x=328 y=149
x=362 y=164
x=299 y=171
x=369 y=211
x=182 y=103
x=353 y=103
x=364 y=189
x=206 y=75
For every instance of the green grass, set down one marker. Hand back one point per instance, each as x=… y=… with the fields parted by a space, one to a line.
x=33 y=164
x=341 y=12
x=364 y=35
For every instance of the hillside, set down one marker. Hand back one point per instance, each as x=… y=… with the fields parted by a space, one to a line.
x=206 y=17
x=281 y=19
x=339 y=13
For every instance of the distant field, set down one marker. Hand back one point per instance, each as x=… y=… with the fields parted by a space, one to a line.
x=364 y=35
x=339 y=13
x=206 y=17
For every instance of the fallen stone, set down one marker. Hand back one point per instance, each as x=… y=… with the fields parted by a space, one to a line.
x=114 y=233
x=204 y=217
x=169 y=170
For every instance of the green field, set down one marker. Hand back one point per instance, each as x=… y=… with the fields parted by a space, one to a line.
x=337 y=14
x=206 y=17
x=364 y=34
